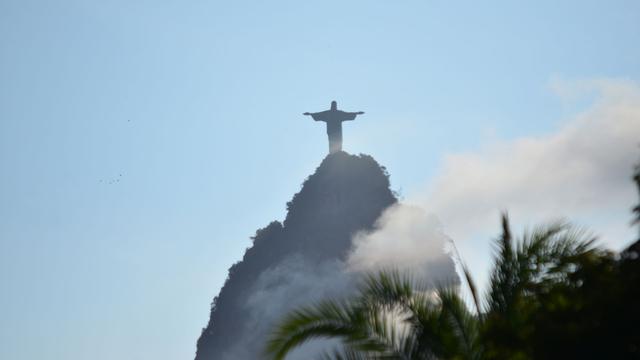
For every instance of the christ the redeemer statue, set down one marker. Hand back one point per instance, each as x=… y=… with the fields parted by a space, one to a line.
x=334 y=119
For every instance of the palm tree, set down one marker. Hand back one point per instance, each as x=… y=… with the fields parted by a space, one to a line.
x=394 y=316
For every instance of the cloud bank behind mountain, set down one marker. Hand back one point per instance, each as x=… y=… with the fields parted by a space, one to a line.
x=580 y=172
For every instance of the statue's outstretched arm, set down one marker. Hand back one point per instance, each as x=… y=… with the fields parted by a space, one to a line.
x=351 y=115
x=319 y=116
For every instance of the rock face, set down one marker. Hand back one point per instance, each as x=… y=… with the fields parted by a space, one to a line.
x=288 y=260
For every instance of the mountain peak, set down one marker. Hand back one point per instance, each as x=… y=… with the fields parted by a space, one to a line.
x=346 y=194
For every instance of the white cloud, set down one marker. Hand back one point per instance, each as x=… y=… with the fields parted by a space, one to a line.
x=408 y=239
x=579 y=172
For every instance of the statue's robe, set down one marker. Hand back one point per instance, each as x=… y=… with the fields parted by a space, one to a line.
x=334 y=119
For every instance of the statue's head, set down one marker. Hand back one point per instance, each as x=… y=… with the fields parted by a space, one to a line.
x=334 y=105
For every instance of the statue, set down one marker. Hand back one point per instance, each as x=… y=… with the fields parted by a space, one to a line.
x=334 y=119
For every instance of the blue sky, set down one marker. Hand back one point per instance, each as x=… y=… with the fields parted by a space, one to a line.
x=143 y=142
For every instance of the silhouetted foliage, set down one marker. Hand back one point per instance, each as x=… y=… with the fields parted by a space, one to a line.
x=552 y=294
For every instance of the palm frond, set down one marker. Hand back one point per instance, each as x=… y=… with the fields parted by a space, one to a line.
x=362 y=324
x=389 y=288
x=503 y=277
x=471 y=285
x=344 y=354
x=328 y=319
x=463 y=324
